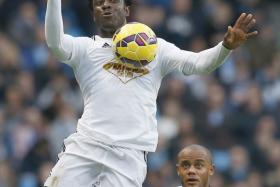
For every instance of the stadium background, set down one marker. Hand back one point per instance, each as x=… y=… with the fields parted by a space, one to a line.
x=235 y=111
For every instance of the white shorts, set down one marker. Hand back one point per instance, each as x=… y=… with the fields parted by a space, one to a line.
x=88 y=163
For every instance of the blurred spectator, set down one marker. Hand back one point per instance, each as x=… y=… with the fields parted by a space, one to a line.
x=44 y=172
x=272 y=177
x=218 y=181
x=7 y=177
x=242 y=123
x=62 y=127
x=240 y=165
x=180 y=22
x=255 y=179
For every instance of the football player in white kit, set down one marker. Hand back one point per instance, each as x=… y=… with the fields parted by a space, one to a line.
x=119 y=125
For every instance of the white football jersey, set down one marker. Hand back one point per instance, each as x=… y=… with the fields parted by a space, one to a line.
x=119 y=108
x=120 y=105
x=115 y=111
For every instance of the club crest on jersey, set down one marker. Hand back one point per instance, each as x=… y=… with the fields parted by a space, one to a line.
x=125 y=72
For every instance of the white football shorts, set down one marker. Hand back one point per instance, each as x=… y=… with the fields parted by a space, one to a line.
x=89 y=163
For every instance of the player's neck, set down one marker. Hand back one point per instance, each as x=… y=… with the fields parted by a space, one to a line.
x=106 y=33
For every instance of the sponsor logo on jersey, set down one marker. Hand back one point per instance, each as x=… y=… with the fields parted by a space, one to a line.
x=125 y=72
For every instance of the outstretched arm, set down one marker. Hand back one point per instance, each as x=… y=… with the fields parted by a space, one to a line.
x=174 y=59
x=208 y=60
x=60 y=44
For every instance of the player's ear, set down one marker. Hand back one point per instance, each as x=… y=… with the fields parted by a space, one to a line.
x=127 y=11
x=212 y=169
x=178 y=171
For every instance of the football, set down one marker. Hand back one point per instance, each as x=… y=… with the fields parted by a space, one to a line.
x=135 y=45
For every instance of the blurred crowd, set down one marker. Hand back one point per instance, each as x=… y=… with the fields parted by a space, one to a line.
x=234 y=111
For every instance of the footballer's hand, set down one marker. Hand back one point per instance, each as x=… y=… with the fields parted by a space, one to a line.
x=240 y=32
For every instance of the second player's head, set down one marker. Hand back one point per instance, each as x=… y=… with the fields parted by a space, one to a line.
x=109 y=15
x=194 y=166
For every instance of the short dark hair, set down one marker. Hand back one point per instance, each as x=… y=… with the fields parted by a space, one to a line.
x=127 y=3
x=196 y=147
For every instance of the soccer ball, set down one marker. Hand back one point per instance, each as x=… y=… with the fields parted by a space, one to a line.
x=135 y=45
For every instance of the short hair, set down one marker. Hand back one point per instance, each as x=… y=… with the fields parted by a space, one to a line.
x=90 y=3
x=197 y=147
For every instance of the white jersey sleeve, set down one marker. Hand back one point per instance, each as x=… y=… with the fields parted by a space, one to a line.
x=174 y=59
x=66 y=48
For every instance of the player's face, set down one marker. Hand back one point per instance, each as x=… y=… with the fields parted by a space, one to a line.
x=194 y=168
x=109 y=15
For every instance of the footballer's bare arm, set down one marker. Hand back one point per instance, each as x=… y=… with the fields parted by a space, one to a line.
x=240 y=32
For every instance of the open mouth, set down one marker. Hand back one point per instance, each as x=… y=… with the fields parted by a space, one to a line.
x=106 y=14
x=192 y=180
